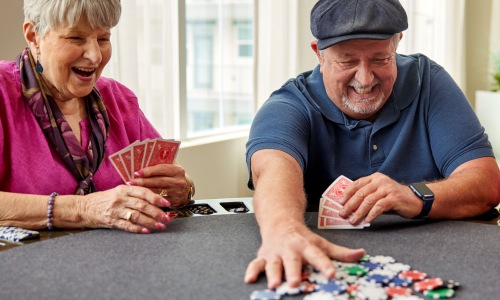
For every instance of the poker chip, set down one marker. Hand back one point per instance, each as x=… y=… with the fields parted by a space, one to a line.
x=428 y=284
x=320 y=295
x=397 y=267
x=398 y=281
x=413 y=275
x=412 y=297
x=371 y=293
x=451 y=284
x=381 y=259
x=378 y=279
x=357 y=270
x=318 y=278
x=393 y=291
x=440 y=293
x=365 y=258
x=285 y=289
x=307 y=287
x=264 y=295
x=352 y=289
x=333 y=287
x=371 y=266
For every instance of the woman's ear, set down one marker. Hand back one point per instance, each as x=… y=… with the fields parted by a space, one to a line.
x=31 y=36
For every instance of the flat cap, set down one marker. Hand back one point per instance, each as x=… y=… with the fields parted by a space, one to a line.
x=335 y=21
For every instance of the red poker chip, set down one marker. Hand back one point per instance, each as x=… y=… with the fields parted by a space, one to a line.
x=413 y=275
x=394 y=291
x=428 y=284
x=352 y=289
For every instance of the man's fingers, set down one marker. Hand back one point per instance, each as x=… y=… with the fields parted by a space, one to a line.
x=255 y=267
x=320 y=260
x=293 y=270
x=274 y=272
x=341 y=253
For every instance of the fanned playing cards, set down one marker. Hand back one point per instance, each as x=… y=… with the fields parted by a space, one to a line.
x=143 y=154
x=330 y=207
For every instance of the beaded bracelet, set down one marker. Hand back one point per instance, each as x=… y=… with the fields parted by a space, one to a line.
x=50 y=208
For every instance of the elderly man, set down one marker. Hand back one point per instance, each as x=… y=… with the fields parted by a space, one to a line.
x=397 y=125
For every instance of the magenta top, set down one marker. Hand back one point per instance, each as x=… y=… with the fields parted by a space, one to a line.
x=30 y=165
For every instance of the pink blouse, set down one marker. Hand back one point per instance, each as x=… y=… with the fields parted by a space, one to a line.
x=28 y=164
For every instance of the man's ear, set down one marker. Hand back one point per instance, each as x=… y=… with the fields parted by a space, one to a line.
x=314 y=46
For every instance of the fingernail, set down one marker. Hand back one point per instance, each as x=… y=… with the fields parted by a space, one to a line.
x=131 y=183
x=139 y=173
x=165 y=218
x=165 y=202
x=352 y=219
x=342 y=200
x=145 y=230
x=160 y=226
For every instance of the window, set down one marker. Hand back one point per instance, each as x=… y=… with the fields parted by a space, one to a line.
x=190 y=62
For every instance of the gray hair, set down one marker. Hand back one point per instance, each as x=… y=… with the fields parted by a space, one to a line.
x=49 y=14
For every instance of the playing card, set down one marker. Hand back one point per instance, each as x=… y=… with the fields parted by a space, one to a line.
x=330 y=207
x=143 y=154
x=138 y=152
x=337 y=188
x=164 y=152
x=117 y=163
x=332 y=223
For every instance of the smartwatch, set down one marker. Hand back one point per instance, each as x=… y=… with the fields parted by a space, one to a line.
x=426 y=195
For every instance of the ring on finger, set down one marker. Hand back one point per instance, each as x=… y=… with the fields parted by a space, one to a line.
x=129 y=214
x=164 y=193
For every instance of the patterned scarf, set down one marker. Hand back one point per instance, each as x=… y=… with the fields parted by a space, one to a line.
x=83 y=163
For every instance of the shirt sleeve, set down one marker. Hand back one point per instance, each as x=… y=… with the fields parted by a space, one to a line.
x=456 y=135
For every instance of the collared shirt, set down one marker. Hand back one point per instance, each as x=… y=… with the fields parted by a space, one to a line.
x=424 y=131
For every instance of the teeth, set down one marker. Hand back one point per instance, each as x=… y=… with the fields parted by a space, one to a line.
x=85 y=70
x=363 y=91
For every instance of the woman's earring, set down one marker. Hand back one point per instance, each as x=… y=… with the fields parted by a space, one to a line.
x=38 y=67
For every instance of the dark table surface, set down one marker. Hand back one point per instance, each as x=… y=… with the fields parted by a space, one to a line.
x=206 y=257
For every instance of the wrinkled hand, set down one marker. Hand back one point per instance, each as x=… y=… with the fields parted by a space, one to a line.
x=170 y=177
x=370 y=196
x=288 y=248
x=130 y=208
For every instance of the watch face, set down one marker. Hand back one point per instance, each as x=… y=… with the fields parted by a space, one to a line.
x=422 y=190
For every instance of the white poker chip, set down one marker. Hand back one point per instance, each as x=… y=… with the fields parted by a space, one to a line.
x=285 y=289
x=411 y=297
x=397 y=267
x=371 y=293
x=264 y=295
x=321 y=295
x=317 y=278
x=381 y=259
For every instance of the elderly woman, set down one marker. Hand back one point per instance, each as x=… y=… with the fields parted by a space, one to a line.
x=60 y=121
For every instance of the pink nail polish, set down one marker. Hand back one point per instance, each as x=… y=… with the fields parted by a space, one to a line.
x=139 y=173
x=165 y=202
x=160 y=226
x=145 y=230
x=131 y=183
x=165 y=218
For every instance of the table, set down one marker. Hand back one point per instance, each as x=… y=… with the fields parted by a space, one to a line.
x=206 y=257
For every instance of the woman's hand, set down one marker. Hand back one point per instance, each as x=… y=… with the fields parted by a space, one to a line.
x=130 y=208
x=168 y=179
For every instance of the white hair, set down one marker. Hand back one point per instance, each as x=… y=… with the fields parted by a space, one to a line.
x=49 y=14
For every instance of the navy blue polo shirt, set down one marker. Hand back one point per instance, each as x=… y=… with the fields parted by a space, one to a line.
x=425 y=130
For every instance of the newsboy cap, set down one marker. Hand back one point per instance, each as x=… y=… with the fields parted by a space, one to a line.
x=335 y=21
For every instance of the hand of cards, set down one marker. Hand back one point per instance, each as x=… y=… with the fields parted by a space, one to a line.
x=329 y=207
x=143 y=154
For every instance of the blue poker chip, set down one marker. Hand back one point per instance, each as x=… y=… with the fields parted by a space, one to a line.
x=333 y=287
x=264 y=295
x=371 y=266
x=378 y=279
x=398 y=281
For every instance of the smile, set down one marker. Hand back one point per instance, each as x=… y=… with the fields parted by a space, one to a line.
x=83 y=71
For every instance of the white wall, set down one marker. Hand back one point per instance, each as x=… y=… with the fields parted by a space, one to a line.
x=11 y=29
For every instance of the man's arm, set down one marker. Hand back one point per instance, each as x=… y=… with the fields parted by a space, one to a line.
x=287 y=243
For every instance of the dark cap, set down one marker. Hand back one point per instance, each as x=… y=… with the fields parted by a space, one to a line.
x=335 y=21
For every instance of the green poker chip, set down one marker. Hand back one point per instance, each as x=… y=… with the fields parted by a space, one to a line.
x=365 y=258
x=356 y=270
x=440 y=293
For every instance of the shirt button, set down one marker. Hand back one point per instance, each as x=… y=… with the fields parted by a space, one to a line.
x=375 y=147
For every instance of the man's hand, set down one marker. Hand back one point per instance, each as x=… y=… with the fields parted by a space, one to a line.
x=370 y=196
x=288 y=248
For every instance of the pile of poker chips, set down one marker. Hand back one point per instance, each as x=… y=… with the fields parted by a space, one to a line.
x=201 y=209
x=372 y=278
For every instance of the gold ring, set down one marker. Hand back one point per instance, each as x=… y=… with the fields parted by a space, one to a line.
x=164 y=193
x=129 y=214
